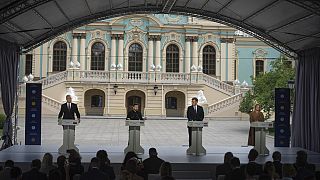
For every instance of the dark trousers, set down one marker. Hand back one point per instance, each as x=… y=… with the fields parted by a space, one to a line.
x=190 y=135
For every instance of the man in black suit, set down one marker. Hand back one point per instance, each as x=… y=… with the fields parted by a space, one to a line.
x=68 y=110
x=194 y=113
x=236 y=173
x=34 y=172
x=135 y=114
x=94 y=173
x=225 y=168
x=252 y=156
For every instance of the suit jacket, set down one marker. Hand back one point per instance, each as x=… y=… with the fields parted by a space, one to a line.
x=236 y=174
x=134 y=115
x=223 y=169
x=152 y=165
x=65 y=113
x=259 y=168
x=94 y=174
x=34 y=174
x=192 y=115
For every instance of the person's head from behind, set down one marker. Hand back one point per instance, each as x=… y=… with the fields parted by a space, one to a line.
x=257 y=107
x=132 y=165
x=265 y=177
x=165 y=169
x=47 y=160
x=251 y=169
x=94 y=163
x=74 y=156
x=128 y=156
x=253 y=154
x=276 y=156
x=61 y=161
x=36 y=164
x=288 y=170
x=153 y=152
x=194 y=101
x=68 y=98
x=227 y=157
x=102 y=155
x=269 y=168
x=9 y=164
x=301 y=159
x=135 y=107
x=15 y=173
x=235 y=163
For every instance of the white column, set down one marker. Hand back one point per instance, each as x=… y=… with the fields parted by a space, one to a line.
x=82 y=51
x=195 y=58
x=187 y=55
x=158 y=60
x=113 y=50
x=75 y=48
x=120 y=51
x=150 y=53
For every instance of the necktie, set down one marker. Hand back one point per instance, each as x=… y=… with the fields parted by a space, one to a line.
x=195 y=109
x=69 y=106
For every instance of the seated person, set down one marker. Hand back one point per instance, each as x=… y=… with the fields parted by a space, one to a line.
x=225 y=168
x=252 y=156
x=236 y=173
x=153 y=163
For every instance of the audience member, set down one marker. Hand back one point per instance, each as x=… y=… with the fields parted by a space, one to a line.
x=55 y=175
x=288 y=172
x=34 y=172
x=225 y=168
x=265 y=177
x=16 y=173
x=105 y=166
x=276 y=156
x=270 y=170
x=153 y=163
x=5 y=173
x=130 y=171
x=252 y=156
x=303 y=168
x=47 y=164
x=166 y=169
x=75 y=166
x=128 y=156
x=236 y=173
x=61 y=162
x=251 y=172
x=94 y=173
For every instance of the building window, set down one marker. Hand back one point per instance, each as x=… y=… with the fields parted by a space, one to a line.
x=96 y=101
x=259 y=67
x=135 y=57
x=28 y=65
x=171 y=103
x=209 y=60
x=97 y=56
x=59 y=59
x=172 y=58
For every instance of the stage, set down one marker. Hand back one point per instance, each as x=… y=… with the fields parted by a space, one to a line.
x=184 y=166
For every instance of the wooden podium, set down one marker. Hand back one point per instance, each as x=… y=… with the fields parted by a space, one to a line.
x=196 y=147
x=134 y=136
x=260 y=136
x=68 y=135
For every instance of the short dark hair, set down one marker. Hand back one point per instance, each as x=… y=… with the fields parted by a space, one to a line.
x=102 y=155
x=276 y=156
x=253 y=154
x=194 y=98
x=153 y=152
x=61 y=160
x=68 y=95
x=9 y=163
x=36 y=163
x=227 y=157
x=94 y=162
x=235 y=162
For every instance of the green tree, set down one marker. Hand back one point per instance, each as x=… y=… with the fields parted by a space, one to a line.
x=247 y=103
x=264 y=84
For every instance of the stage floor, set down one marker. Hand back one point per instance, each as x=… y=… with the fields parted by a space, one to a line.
x=174 y=154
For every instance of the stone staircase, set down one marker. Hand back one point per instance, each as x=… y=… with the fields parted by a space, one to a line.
x=223 y=104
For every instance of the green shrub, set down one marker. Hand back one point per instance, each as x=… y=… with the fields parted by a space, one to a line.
x=2 y=119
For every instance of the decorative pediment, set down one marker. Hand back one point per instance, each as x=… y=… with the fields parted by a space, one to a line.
x=172 y=36
x=260 y=53
x=136 y=22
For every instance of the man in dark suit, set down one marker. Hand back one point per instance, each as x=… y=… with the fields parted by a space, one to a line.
x=236 y=172
x=153 y=163
x=194 y=113
x=34 y=172
x=68 y=110
x=94 y=173
x=225 y=168
x=276 y=156
x=135 y=114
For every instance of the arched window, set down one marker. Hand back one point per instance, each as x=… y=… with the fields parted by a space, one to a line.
x=172 y=58
x=97 y=56
x=209 y=60
x=259 y=67
x=135 y=57
x=59 y=59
